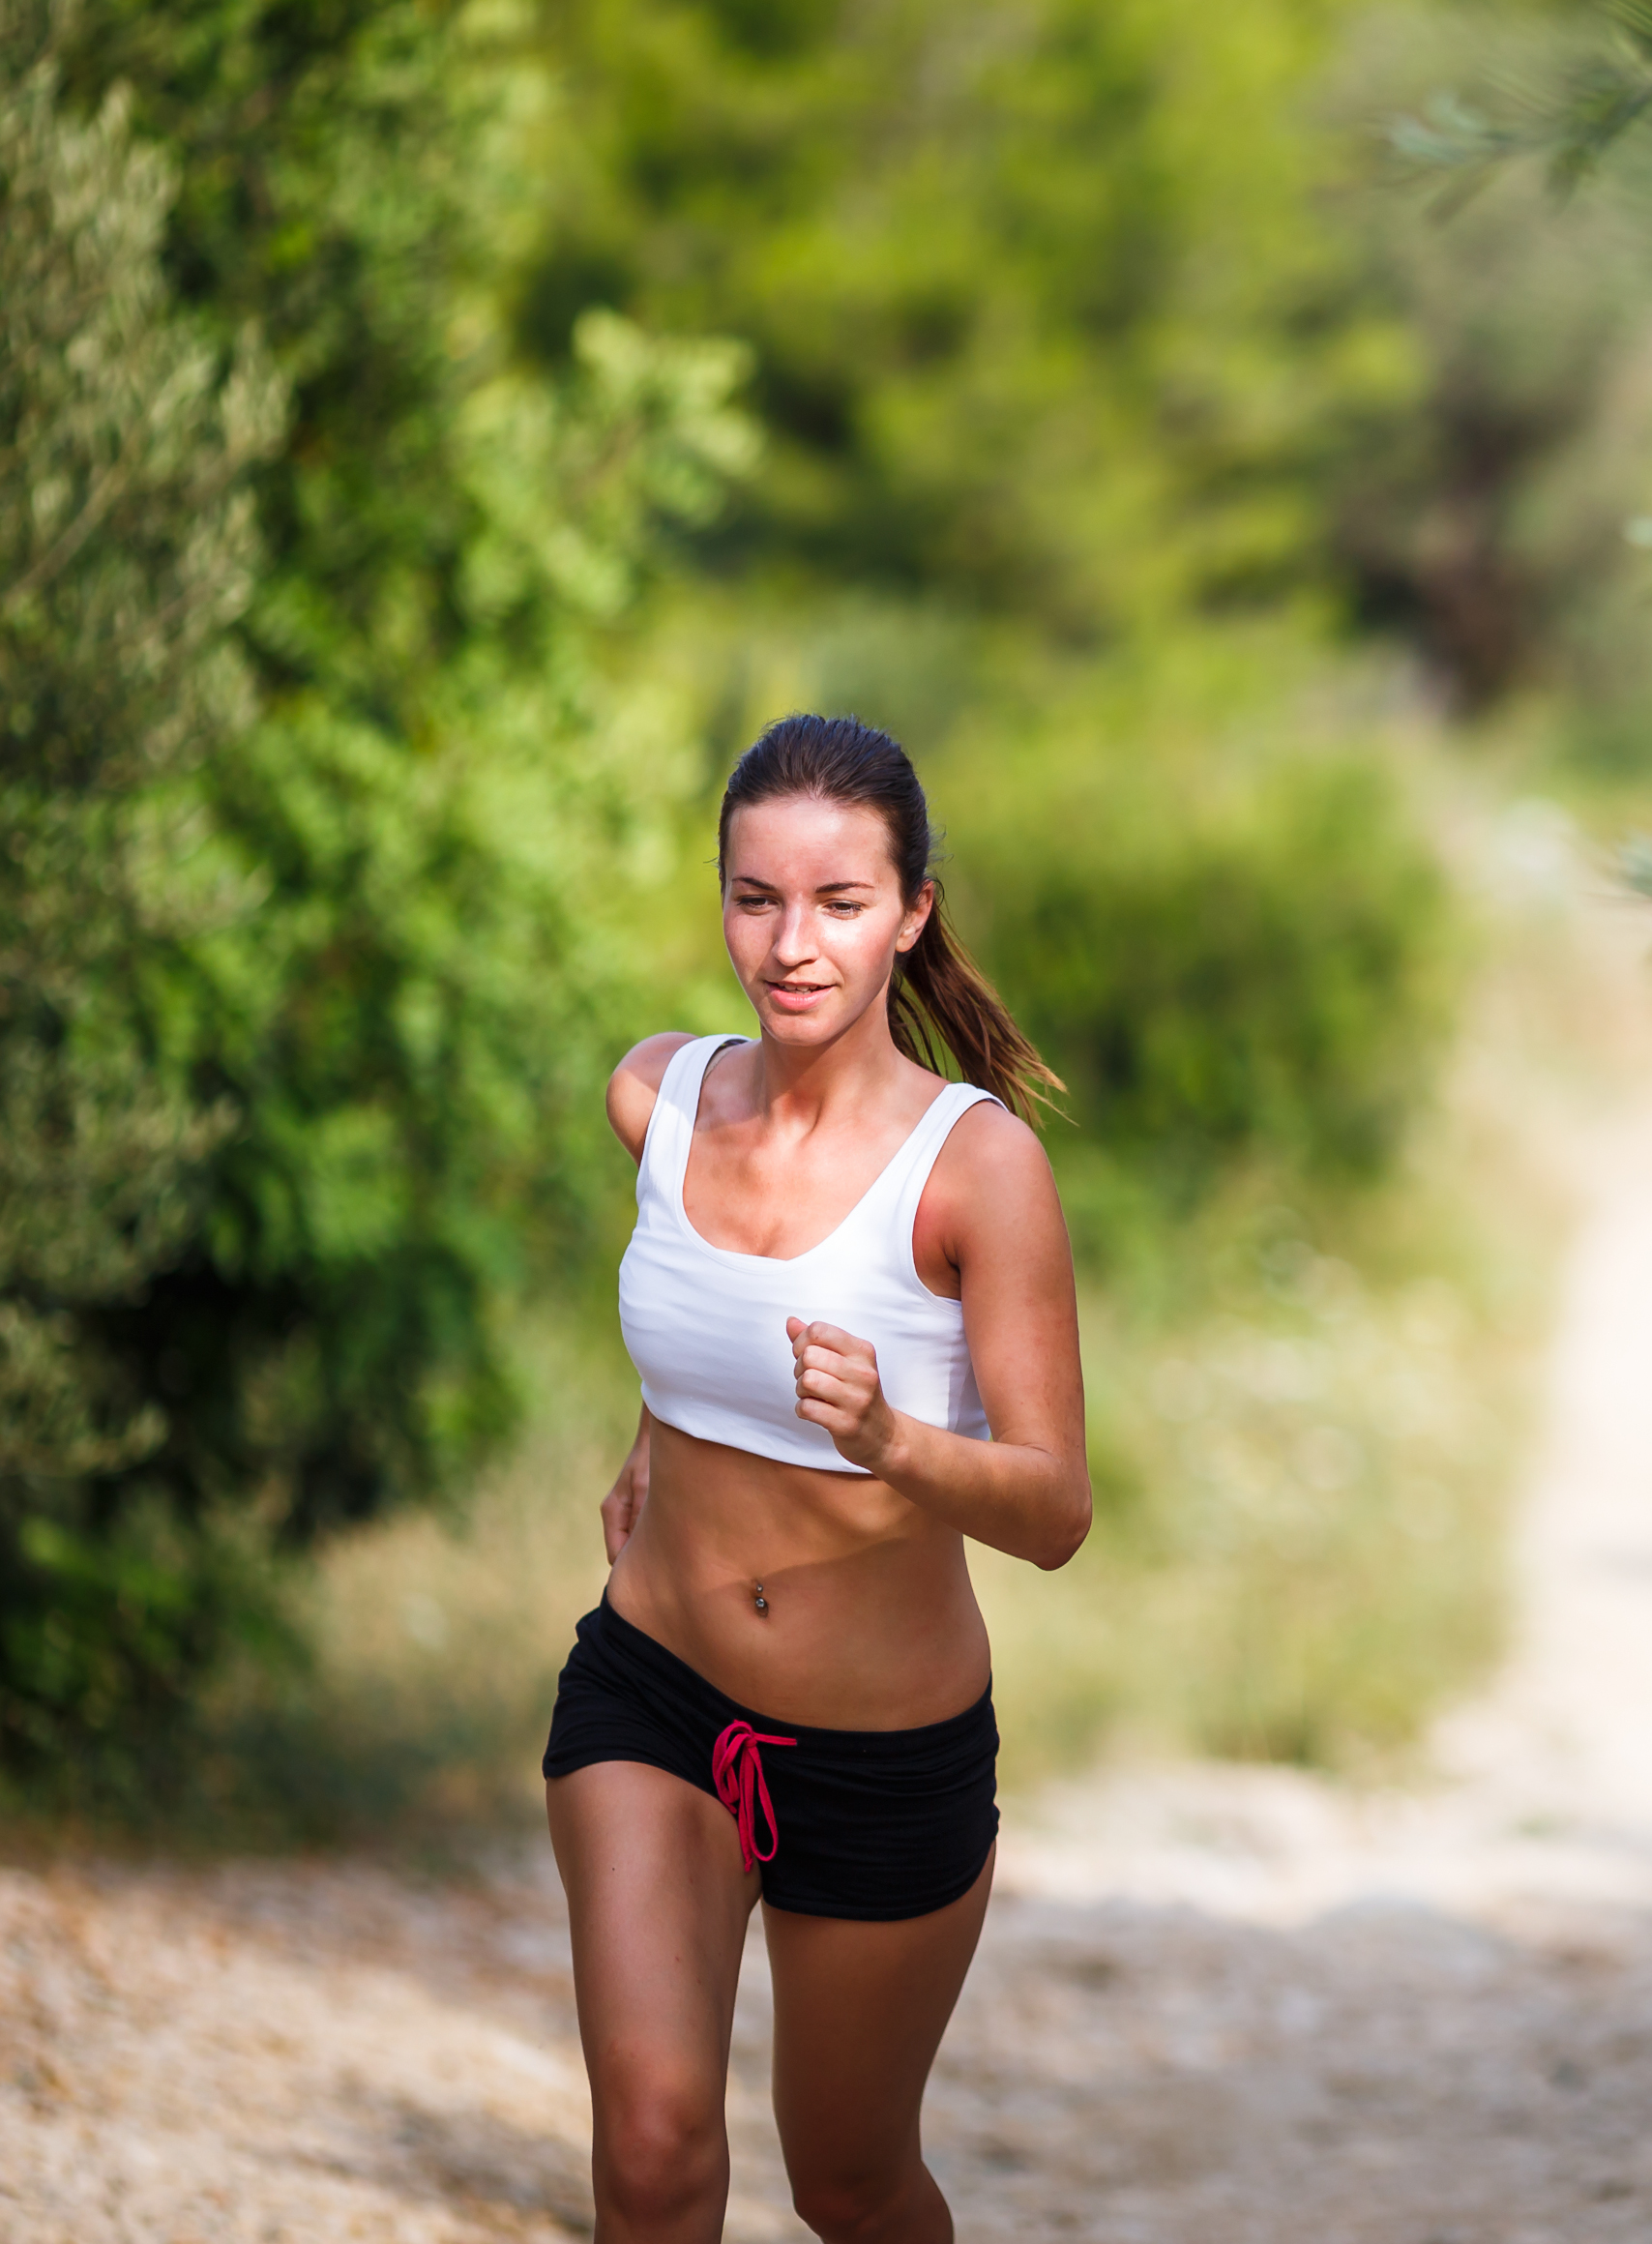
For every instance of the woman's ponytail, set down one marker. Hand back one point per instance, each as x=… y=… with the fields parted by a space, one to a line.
x=938 y=997
x=939 y=992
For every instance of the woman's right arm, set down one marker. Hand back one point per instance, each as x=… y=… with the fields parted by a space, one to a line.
x=633 y=1088
x=635 y=1085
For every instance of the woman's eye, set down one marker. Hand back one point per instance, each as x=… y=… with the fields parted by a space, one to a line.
x=847 y=910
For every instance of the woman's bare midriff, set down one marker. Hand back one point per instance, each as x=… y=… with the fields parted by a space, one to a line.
x=871 y=1621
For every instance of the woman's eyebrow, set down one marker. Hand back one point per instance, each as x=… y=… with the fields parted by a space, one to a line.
x=826 y=888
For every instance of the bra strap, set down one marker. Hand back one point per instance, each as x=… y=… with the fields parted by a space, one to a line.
x=671 y=1133
x=923 y=1148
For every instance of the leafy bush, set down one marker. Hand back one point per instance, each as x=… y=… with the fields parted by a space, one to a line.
x=1043 y=316
x=1482 y=511
x=1239 y=977
x=1229 y=952
x=125 y=548
x=302 y=979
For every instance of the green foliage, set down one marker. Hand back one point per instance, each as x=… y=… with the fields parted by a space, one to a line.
x=1485 y=513
x=415 y=1020
x=125 y=548
x=347 y=181
x=1250 y=973
x=302 y=979
x=1039 y=331
x=1037 y=324
x=1232 y=957
x=1571 y=116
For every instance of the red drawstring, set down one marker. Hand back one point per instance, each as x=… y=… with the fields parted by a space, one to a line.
x=737 y=1772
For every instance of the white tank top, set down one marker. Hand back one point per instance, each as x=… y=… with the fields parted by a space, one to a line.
x=706 y=1325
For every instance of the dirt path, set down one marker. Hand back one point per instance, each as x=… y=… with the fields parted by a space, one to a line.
x=1541 y=1798
x=1213 y=2006
x=1242 y=2004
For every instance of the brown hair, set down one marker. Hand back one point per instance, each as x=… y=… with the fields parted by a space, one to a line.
x=937 y=993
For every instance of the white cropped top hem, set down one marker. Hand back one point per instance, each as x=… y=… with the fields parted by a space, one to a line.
x=705 y=1325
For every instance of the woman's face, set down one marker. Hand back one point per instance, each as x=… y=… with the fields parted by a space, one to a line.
x=812 y=915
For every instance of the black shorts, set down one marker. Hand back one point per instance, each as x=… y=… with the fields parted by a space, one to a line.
x=867 y=1823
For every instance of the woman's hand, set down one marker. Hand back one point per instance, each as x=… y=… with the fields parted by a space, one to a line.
x=837 y=1387
x=622 y=1506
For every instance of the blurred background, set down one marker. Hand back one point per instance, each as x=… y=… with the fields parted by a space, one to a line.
x=434 y=439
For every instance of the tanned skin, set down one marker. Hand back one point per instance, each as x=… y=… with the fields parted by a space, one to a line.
x=872 y=1622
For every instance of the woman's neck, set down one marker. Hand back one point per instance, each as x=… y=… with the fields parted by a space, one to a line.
x=815 y=1084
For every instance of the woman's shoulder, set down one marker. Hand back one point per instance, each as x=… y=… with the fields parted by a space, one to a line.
x=635 y=1085
x=987 y=1135
x=991 y=1169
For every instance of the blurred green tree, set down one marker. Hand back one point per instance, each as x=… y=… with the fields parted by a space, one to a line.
x=304 y=984
x=1232 y=957
x=1044 y=315
x=126 y=551
x=1041 y=327
x=1486 y=518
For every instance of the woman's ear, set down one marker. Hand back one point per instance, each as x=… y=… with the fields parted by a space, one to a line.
x=917 y=918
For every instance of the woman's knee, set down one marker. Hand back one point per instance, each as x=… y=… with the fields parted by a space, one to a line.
x=847 y=2206
x=661 y=2146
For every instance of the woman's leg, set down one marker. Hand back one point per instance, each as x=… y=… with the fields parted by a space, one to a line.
x=658 y=1904
x=859 y=2013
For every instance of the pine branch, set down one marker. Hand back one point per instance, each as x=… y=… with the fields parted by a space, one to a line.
x=1570 y=126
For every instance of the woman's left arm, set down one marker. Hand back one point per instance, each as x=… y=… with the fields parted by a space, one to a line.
x=992 y=1204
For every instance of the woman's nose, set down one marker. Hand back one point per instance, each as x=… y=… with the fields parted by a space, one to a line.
x=794 y=938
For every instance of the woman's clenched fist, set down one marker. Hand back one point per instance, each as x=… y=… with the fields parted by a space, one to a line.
x=837 y=1387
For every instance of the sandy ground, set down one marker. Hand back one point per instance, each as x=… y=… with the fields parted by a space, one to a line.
x=1212 y=2005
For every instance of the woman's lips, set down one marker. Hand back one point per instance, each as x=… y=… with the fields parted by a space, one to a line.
x=797 y=996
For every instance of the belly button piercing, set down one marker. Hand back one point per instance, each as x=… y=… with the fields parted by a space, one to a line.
x=758 y=1599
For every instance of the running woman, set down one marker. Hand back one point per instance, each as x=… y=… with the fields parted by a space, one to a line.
x=849 y=1298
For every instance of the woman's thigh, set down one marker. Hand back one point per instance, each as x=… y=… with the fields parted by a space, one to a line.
x=657 y=1908
x=859 y=2013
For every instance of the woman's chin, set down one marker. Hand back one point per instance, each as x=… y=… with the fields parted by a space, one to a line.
x=813 y=1024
